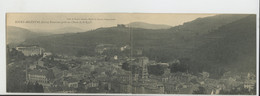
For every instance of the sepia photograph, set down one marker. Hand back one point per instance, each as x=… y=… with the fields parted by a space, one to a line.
x=131 y=53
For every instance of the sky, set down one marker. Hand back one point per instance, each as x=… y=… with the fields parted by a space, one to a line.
x=87 y=21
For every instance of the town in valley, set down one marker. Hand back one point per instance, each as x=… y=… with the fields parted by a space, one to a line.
x=124 y=67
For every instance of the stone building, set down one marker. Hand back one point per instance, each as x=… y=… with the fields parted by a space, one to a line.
x=30 y=50
x=42 y=76
x=70 y=82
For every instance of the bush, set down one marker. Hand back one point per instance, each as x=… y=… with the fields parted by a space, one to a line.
x=157 y=70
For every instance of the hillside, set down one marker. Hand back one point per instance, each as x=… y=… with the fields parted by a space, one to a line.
x=231 y=46
x=207 y=24
x=71 y=43
x=175 y=40
x=59 y=30
x=16 y=35
x=148 y=26
x=210 y=43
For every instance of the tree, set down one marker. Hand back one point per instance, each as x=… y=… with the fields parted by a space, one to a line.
x=176 y=67
x=93 y=90
x=14 y=54
x=200 y=90
x=81 y=87
x=16 y=78
x=37 y=87
x=134 y=69
x=254 y=90
x=29 y=87
x=126 y=66
x=194 y=81
x=157 y=70
x=41 y=88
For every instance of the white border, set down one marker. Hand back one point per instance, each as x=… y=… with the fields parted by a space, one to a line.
x=118 y=6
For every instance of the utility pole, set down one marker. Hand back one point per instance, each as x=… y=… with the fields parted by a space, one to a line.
x=26 y=73
x=131 y=54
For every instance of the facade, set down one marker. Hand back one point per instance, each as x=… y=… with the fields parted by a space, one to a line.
x=250 y=82
x=30 y=50
x=92 y=84
x=144 y=62
x=41 y=76
x=138 y=52
x=70 y=82
x=46 y=54
x=103 y=47
x=166 y=65
x=32 y=66
x=126 y=47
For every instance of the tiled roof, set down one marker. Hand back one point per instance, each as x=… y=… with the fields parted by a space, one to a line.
x=44 y=72
x=28 y=45
x=70 y=79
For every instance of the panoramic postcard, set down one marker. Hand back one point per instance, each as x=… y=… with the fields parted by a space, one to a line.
x=131 y=53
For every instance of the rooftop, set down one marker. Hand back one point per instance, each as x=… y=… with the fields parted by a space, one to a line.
x=70 y=79
x=44 y=72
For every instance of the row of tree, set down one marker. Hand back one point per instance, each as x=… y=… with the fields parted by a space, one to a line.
x=159 y=70
x=34 y=87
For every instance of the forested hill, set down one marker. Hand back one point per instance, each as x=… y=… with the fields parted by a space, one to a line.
x=148 y=26
x=17 y=35
x=173 y=41
x=232 y=46
x=216 y=42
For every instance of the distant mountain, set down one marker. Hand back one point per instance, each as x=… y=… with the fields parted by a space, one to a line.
x=17 y=35
x=148 y=26
x=204 y=25
x=71 y=43
x=176 y=40
x=60 y=30
x=68 y=30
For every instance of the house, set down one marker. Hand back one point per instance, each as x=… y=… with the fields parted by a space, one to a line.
x=99 y=50
x=164 y=79
x=165 y=65
x=92 y=83
x=42 y=76
x=30 y=50
x=39 y=63
x=143 y=63
x=33 y=66
x=188 y=90
x=125 y=88
x=171 y=88
x=115 y=57
x=251 y=76
x=153 y=87
x=175 y=61
x=143 y=60
x=70 y=82
x=135 y=77
x=204 y=74
x=249 y=84
x=138 y=52
x=126 y=47
x=215 y=91
x=46 y=54
x=60 y=59
x=68 y=90
x=104 y=47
